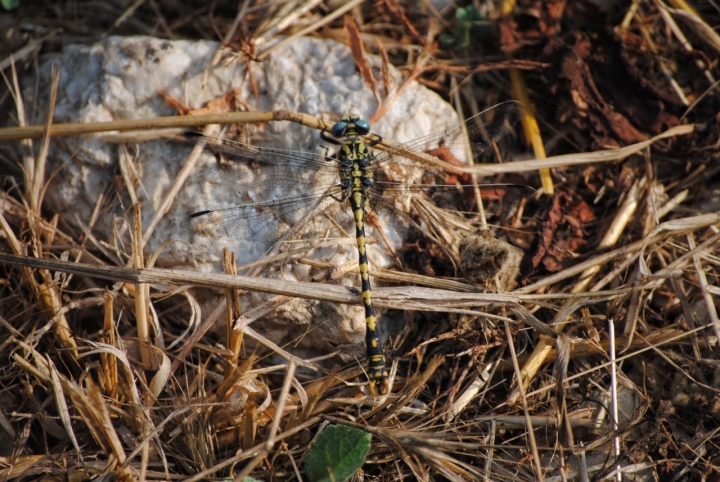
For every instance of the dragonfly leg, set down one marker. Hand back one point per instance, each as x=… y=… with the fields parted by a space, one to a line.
x=375 y=142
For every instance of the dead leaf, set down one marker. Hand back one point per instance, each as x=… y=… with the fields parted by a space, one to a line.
x=352 y=35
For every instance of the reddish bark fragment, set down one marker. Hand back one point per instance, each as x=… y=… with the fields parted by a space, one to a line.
x=562 y=236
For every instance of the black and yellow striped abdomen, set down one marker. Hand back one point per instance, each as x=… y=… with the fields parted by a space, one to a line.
x=377 y=372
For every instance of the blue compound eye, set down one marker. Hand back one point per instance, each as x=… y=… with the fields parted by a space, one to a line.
x=362 y=126
x=338 y=130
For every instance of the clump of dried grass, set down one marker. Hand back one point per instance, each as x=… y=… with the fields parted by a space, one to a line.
x=113 y=400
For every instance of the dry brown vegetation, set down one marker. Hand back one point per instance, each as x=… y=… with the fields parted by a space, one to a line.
x=623 y=232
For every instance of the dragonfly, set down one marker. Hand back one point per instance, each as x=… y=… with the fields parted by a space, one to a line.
x=353 y=177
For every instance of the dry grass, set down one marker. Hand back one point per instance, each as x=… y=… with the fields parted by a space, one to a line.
x=623 y=125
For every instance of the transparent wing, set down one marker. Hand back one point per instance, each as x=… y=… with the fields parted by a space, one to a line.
x=252 y=166
x=276 y=171
x=465 y=142
x=382 y=197
x=262 y=221
x=509 y=192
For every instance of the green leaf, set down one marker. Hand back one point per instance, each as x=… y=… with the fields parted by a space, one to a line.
x=470 y=24
x=472 y=14
x=462 y=14
x=10 y=4
x=339 y=450
x=462 y=33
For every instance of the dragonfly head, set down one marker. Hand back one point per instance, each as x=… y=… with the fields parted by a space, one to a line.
x=350 y=124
